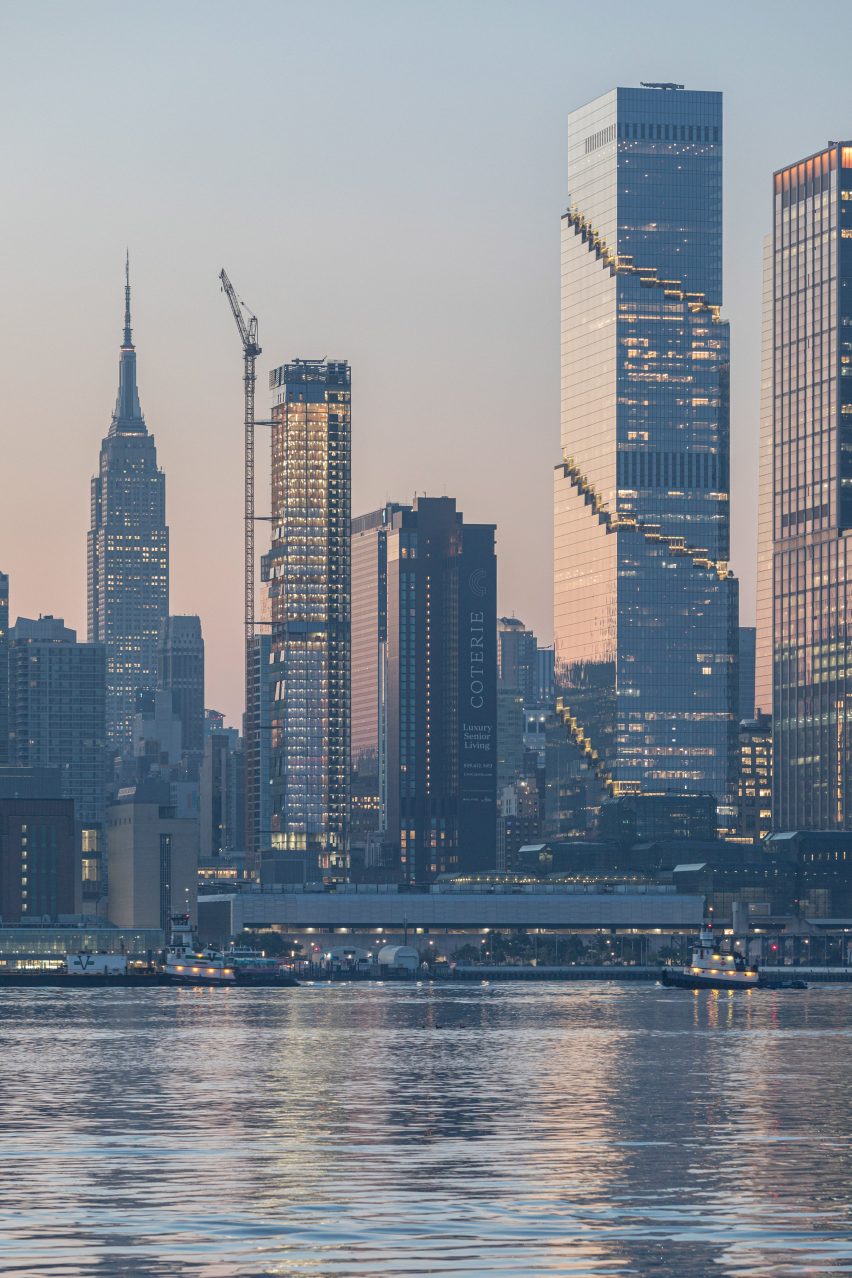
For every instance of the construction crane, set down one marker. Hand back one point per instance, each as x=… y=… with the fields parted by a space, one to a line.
x=247 y=326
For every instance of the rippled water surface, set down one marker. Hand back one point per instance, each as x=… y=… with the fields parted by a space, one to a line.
x=508 y=1129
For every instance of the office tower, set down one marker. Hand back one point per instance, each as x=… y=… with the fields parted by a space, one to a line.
x=424 y=621
x=746 y=672
x=223 y=793
x=754 y=784
x=763 y=641
x=517 y=659
x=128 y=551
x=308 y=573
x=645 y=607
x=4 y=667
x=812 y=488
x=544 y=673
x=57 y=710
x=180 y=671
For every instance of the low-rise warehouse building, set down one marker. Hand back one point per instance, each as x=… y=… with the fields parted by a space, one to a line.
x=312 y=916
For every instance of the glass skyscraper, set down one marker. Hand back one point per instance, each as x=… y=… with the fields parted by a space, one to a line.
x=308 y=572
x=128 y=552
x=645 y=606
x=811 y=398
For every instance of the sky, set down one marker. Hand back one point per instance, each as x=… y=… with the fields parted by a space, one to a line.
x=383 y=182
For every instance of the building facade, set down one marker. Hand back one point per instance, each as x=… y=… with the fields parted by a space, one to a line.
x=222 y=795
x=441 y=690
x=153 y=858
x=754 y=785
x=257 y=734
x=39 y=858
x=57 y=710
x=308 y=571
x=128 y=552
x=424 y=721
x=4 y=667
x=369 y=666
x=180 y=671
x=811 y=396
x=746 y=673
x=517 y=659
x=645 y=606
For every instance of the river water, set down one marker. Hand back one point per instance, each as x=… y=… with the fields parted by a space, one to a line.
x=586 y=1129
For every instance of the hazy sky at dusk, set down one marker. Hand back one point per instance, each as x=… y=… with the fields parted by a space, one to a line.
x=383 y=183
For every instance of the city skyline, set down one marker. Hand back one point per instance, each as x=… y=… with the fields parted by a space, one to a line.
x=490 y=252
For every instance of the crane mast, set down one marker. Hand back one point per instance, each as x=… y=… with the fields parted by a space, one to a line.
x=247 y=328
x=251 y=350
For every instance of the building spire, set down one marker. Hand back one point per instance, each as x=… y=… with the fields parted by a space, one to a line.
x=128 y=337
x=128 y=411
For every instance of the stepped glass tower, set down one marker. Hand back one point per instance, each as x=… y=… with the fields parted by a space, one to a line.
x=128 y=551
x=645 y=607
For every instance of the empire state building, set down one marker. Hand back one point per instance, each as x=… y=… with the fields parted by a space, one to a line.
x=128 y=550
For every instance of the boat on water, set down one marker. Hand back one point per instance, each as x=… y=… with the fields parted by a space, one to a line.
x=254 y=967
x=713 y=968
x=187 y=964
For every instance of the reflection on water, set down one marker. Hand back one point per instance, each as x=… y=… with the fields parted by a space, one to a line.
x=587 y=1130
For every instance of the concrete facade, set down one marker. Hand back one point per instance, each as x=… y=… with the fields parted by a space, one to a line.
x=153 y=862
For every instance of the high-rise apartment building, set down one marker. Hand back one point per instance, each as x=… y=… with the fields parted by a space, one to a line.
x=180 y=671
x=517 y=659
x=811 y=400
x=57 y=710
x=754 y=783
x=4 y=667
x=424 y=653
x=645 y=606
x=128 y=551
x=308 y=572
x=369 y=665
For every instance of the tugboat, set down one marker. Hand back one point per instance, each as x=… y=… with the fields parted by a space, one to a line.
x=711 y=969
x=186 y=964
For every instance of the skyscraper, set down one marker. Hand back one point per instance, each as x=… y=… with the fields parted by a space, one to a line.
x=645 y=607
x=424 y=652
x=4 y=667
x=746 y=666
x=309 y=581
x=128 y=551
x=811 y=398
x=517 y=659
x=180 y=671
x=763 y=639
x=57 y=712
